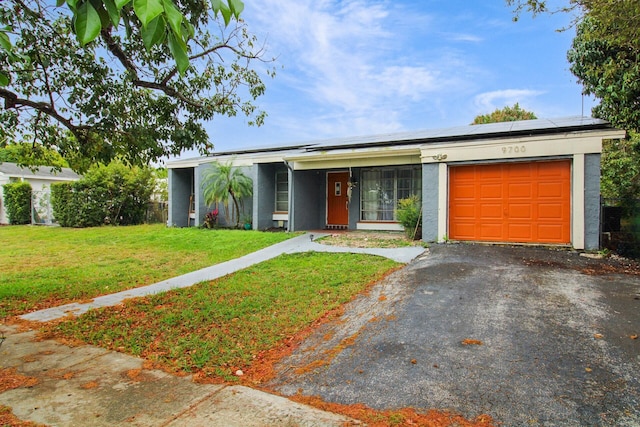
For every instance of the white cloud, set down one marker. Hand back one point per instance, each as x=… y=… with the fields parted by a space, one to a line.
x=490 y=101
x=349 y=57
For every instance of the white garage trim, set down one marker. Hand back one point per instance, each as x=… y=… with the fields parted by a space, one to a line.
x=443 y=193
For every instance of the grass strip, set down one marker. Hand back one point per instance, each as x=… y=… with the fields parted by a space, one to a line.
x=215 y=328
x=41 y=267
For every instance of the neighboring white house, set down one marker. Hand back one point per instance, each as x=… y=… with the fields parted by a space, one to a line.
x=40 y=180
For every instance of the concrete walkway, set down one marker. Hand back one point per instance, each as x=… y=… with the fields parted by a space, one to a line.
x=91 y=386
x=303 y=243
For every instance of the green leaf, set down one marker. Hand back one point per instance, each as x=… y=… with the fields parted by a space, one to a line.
x=216 y=5
x=4 y=79
x=237 y=6
x=122 y=3
x=60 y=3
x=179 y=51
x=226 y=13
x=73 y=4
x=154 y=33
x=147 y=10
x=173 y=16
x=222 y=7
x=5 y=43
x=87 y=23
x=113 y=11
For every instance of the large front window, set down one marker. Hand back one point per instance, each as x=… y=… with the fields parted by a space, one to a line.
x=382 y=188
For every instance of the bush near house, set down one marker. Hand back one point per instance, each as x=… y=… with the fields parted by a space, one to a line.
x=113 y=194
x=17 y=199
x=409 y=215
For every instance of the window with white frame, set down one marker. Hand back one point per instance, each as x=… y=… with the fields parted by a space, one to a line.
x=382 y=188
x=282 y=191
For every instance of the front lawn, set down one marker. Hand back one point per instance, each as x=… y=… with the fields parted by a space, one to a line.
x=42 y=267
x=216 y=328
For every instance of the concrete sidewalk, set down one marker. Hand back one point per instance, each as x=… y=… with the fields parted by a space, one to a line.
x=90 y=386
x=303 y=243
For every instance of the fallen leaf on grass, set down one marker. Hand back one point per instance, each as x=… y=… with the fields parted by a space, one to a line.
x=588 y=369
x=469 y=341
x=598 y=336
x=634 y=337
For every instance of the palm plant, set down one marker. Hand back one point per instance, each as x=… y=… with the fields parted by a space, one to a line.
x=223 y=181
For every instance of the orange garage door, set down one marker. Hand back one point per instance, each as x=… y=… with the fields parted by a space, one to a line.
x=511 y=202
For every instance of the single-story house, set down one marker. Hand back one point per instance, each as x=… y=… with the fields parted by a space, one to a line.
x=533 y=181
x=40 y=179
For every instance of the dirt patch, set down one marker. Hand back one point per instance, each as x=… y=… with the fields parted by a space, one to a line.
x=612 y=264
x=368 y=239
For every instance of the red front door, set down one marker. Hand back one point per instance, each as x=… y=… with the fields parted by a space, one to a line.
x=337 y=201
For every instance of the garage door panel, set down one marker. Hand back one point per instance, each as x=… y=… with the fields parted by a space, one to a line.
x=551 y=211
x=520 y=212
x=522 y=190
x=491 y=211
x=491 y=191
x=491 y=232
x=518 y=172
x=466 y=191
x=466 y=212
x=465 y=231
x=520 y=232
x=554 y=190
x=514 y=202
x=551 y=233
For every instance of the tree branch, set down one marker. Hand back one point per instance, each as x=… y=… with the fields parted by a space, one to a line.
x=11 y=100
x=116 y=50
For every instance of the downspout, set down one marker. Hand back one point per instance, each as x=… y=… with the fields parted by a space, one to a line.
x=290 y=225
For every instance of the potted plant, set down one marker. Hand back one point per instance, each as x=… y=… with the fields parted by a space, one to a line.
x=246 y=221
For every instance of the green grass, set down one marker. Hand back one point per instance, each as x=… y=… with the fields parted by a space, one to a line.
x=217 y=327
x=46 y=266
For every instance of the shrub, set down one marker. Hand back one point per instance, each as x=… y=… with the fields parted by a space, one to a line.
x=113 y=194
x=409 y=214
x=17 y=199
x=211 y=219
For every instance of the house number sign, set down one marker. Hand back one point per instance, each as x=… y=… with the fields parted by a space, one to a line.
x=511 y=149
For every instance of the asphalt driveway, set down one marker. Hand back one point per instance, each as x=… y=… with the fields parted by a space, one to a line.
x=530 y=336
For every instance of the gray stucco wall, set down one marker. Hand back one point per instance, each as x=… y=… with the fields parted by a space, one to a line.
x=309 y=210
x=592 y=201
x=179 y=184
x=264 y=190
x=430 y=187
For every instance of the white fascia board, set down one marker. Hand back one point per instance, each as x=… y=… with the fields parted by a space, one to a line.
x=248 y=159
x=586 y=142
x=357 y=157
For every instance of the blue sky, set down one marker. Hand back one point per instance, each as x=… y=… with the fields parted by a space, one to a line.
x=362 y=67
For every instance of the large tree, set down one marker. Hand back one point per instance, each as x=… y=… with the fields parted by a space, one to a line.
x=605 y=54
x=506 y=114
x=608 y=68
x=129 y=79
